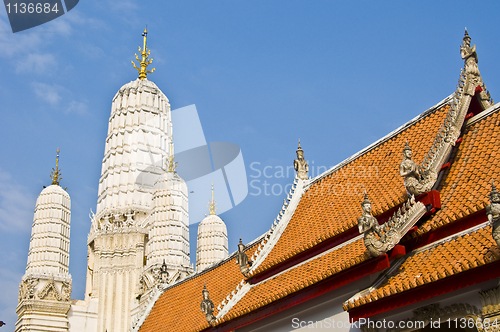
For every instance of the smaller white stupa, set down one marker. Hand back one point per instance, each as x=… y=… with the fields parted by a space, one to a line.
x=212 y=238
x=45 y=290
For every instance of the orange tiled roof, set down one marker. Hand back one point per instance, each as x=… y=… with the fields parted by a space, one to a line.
x=462 y=254
x=299 y=278
x=467 y=181
x=178 y=308
x=325 y=213
x=332 y=205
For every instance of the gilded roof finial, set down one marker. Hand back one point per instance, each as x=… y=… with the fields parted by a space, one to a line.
x=56 y=172
x=171 y=164
x=211 y=203
x=145 y=58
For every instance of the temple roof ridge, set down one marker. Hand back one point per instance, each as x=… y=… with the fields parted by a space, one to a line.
x=446 y=101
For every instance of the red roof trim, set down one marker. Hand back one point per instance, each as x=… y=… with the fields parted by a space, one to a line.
x=445 y=231
x=343 y=278
x=430 y=199
x=305 y=255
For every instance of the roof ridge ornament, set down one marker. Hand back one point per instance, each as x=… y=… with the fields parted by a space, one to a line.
x=55 y=175
x=212 y=207
x=300 y=164
x=493 y=212
x=207 y=306
x=145 y=58
x=417 y=179
x=471 y=79
x=242 y=259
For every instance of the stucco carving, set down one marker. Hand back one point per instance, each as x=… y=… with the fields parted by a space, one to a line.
x=300 y=164
x=379 y=239
x=242 y=259
x=27 y=289
x=49 y=292
x=493 y=213
x=207 y=306
x=66 y=291
x=490 y=299
x=163 y=275
x=434 y=312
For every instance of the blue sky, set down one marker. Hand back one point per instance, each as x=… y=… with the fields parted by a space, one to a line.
x=262 y=74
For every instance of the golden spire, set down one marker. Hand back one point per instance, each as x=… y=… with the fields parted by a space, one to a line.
x=211 y=203
x=56 y=172
x=145 y=58
x=171 y=164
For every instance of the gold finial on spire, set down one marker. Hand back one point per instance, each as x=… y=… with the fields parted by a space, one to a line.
x=211 y=203
x=56 y=172
x=145 y=58
x=171 y=164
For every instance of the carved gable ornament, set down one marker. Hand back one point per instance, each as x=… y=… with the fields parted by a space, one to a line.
x=50 y=292
x=421 y=178
x=379 y=239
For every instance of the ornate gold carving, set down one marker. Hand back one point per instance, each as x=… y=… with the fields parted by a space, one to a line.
x=171 y=164
x=211 y=203
x=145 y=59
x=56 y=176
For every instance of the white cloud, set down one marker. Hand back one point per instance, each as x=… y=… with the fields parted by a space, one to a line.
x=13 y=44
x=16 y=204
x=48 y=92
x=77 y=107
x=36 y=63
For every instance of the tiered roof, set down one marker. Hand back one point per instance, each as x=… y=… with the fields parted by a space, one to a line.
x=316 y=246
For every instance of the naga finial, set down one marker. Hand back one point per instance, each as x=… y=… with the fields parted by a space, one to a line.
x=211 y=203
x=145 y=58
x=56 y=172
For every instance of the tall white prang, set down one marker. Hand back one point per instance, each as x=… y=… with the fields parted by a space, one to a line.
x=139 y=135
